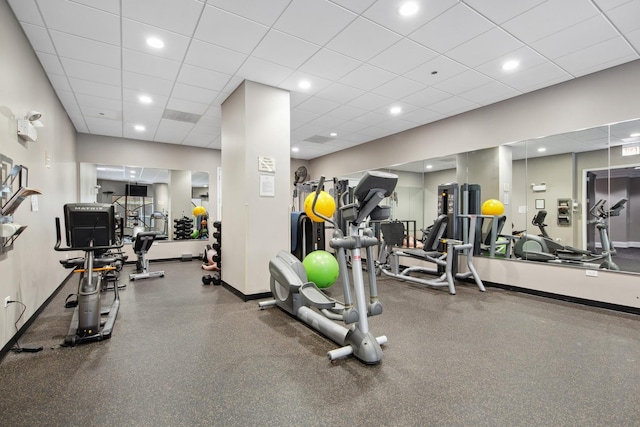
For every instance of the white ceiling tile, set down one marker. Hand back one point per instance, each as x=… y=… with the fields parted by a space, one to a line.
x=111 y=6
x=607 y=5
x=370 y=101
x=346 y=112
x=59 y=82
x=443 y=67
x=329 y=123
x=634 y=39
x=348 y=127
x=79 y=123
x=135 y=34
x=625 y=16
x=146 y=115
x=463 y=82
x=284 y=49
x=183 y=105
x=230 y=31
x=149 y=65
x=102 y=113
x=367 y=77
x=611 y=53
x=500 y=11
x=297 y=98
x=452 y=106
x=339 y=93
x=104 y=127
x=398 y=88
x=87 y=50
x=88 y=71
x=39 y=38
x=402 y=57
x=318 y=106
x=536 y=77
x=194 y=93
x=300 y=117
x=371 y=118
x=484 y=48
x=96 y=89
x=549 y=17
x=212 y=57
x=454 y=27
x=50 y=63
x=317 y=21
x=68 y=99
x=423 y=116
x=385 y=13
x=264 y=12
x=363 y=40
x=426 y=97
x=198 y=139
x=490 y=93
x=328 y=64
x=146 y=84
x=291 y=83
x=525 y=56
x=171 y=131
x=202 y=77
x=132 y=95
x=576 y=37
x=164 y=15
x=80 y=20
x=263 y=72
x=90 y=101
x=26 y=11
x=357 y=6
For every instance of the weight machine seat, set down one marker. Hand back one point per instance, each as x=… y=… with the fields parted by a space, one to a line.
x=143 y=241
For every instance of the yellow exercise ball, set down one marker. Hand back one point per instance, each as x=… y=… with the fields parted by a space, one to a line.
x=324 y=206
x=199 y=210
x=492 y=207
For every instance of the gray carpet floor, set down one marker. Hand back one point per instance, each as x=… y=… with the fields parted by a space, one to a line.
x=184 y=354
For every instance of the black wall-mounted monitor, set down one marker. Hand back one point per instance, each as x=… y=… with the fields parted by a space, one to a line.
x=136 y=190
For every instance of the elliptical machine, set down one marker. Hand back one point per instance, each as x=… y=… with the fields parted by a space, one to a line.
x=602 y=216
x=298 y=297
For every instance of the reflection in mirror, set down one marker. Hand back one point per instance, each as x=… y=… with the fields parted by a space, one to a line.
x=150 y=199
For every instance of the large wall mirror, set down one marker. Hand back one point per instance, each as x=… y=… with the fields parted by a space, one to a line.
x=570 y=188
x=150 y=199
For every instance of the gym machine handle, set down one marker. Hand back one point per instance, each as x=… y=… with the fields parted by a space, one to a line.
x=315 y=199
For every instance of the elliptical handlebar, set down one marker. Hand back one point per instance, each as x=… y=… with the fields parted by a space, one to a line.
x=315 y=199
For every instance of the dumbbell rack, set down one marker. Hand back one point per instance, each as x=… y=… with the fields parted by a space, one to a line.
x=183 y=227
x=217 y=245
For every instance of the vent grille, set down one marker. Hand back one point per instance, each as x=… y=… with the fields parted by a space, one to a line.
x=319 y=139
x=181 y=116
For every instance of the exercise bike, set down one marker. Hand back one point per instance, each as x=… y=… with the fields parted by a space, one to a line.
x=298 y=297
x=91 y=227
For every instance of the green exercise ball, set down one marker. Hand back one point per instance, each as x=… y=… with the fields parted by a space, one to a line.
x=322 y=268
x=195 y=234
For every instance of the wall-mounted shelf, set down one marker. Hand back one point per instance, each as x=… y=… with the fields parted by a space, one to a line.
x=14 y=191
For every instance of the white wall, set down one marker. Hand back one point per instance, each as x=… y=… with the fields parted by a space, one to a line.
x=31 y=272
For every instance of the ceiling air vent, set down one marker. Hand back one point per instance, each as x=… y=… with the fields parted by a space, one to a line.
x=180 y=116
x=319 y=139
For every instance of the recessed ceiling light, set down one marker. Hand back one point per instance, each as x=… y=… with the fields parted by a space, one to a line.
x=145 y=99
x=155 y=42
x=139 y=128
x=408 y=9
x=510 y=65
x=395 y=110
x=635 y=135
x=429 y=167
x=333 y=134
x=304 y=84
x=295 y=149
x=541 y=150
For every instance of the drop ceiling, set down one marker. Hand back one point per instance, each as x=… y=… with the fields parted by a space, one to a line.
x=360 y=57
